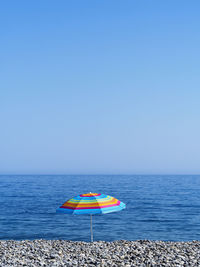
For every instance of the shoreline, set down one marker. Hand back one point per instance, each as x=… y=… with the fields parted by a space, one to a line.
x=54 y=253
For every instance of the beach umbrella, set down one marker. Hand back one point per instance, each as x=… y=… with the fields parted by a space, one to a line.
x=91 y=203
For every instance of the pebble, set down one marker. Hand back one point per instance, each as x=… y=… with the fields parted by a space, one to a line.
x=100 y=254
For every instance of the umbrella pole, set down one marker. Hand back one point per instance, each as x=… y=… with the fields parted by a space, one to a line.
x=91 y=232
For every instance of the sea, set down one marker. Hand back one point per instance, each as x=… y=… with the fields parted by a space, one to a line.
x=158 y=207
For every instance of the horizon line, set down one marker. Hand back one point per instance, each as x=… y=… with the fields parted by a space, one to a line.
x=114 y=174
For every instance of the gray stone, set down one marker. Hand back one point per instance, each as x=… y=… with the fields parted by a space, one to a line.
x=54 y=253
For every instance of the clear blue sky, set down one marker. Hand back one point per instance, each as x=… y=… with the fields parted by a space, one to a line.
x=99 y=87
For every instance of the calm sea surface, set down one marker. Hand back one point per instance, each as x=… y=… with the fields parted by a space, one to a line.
x=158 y=207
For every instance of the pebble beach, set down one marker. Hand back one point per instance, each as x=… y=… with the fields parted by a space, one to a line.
x=118 y=253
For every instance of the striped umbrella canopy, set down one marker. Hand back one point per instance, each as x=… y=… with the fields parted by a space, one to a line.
x=91 y=203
